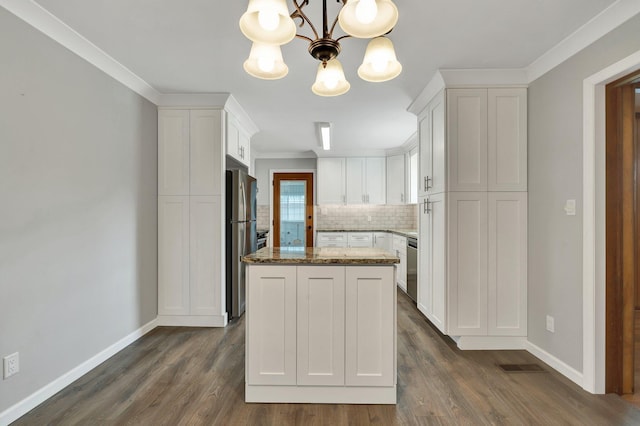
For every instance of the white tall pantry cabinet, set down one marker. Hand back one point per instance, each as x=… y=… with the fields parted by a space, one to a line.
x=192 y=147
x=472 y=273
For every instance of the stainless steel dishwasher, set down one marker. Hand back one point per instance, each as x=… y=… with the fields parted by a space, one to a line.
x=412 y=268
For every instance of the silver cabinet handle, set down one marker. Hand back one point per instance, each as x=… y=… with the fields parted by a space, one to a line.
x=426 y=206
x=401 y=197
x=429 y=182
x=425 y=184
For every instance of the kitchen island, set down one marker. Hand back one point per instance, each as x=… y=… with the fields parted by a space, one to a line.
x=321 y=326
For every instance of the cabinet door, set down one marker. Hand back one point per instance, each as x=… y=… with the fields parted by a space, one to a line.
x=321 y=325
x=375 y=180
x=468 y=263
x=207 y=165
x=271 y=325
x=173 y=255
x=437 y=127
x=432 y=255
x=381 y=240
x=331 y=239
x=233 y=138
x=467 y=136
x=425 y=153
x=395 y=180
x=370 y=326
x=355 y=172
x=244 y=144
x=507 y=260
x=205 y=255
x=331 y=181
x=173 y=152
x=507 y=145
x=360 y=239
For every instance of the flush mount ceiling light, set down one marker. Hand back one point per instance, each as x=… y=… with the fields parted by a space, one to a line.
x=269 y=25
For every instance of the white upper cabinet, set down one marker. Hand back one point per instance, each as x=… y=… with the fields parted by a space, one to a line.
x=352 y=180
x=355 y=181
x=238 y=141
x=173 y=152
x=207 y=163
x=331 y=181
x=507 y=144
x=366 y=180
x=431 y=133
x=467 y=135
x=396 y=191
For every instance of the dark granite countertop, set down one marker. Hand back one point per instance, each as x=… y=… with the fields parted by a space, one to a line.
x=322 y=255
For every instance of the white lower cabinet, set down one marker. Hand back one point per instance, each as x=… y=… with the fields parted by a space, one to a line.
x=189 y=260
x=360 y=239
x=321 y=299
x=472 y=273
x=382 y=240
x=271 y=325
x=399 y=246
x=173 y=255
x=331 y=239
x=316 y=333
x=370 y=327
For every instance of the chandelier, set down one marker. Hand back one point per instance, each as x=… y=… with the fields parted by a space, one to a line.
x=268 y=24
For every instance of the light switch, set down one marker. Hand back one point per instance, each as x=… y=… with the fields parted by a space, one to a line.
x=570 y=207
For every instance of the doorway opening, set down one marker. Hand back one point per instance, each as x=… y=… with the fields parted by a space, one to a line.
x=622 y=190
x=293 y=210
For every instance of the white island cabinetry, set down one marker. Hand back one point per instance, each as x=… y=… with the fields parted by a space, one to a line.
x=321 y=333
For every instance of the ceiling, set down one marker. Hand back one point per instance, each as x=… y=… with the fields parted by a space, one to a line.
x=195 y=46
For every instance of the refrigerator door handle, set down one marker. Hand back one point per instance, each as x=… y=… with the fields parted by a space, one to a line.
x=243 y=202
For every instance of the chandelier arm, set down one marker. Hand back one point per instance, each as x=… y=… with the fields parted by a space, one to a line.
x=344 y=36
x=335 y=22
x=304 y=38
x=298 y=13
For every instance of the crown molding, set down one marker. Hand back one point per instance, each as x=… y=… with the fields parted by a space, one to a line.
x=282 y=155
x=603 y=23
x=42 y=20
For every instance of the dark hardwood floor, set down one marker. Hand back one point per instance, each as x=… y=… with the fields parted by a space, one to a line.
x=188 y=376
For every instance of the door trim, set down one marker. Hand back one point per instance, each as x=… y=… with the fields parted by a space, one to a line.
x=593 y=225
x=271 y=215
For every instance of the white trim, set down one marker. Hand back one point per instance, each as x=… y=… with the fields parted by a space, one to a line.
x=320 y=394
x=42 y=20
x=193 y=320
x=193 y=100
x=277 y=155
x=38 y=397
x=593 y=249
x=435 y=85
x=603 y=23
x=351 y=153
x=553 y=362
x=506 y=77
x=482 y=343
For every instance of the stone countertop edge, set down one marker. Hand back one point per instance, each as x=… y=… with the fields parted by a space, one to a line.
x=322 y=256
x=402 y=232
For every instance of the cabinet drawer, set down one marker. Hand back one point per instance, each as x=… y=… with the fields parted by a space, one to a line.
x=331 y=239
x=360 y=239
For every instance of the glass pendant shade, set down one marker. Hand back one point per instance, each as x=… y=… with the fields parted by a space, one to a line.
x=380 y=63
x=330 y=80
x=368 y=18
x=268 y=21
x=265 y=62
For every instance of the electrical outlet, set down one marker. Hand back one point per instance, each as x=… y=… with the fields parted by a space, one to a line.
x=551 y=326
x=11 y=365
x=369 y=218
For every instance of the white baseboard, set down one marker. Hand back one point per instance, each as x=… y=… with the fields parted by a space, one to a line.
x=553 y=362
x=29 y=403
x=482 y=343
x=192 y=320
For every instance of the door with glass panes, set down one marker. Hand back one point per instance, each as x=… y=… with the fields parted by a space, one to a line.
x=293 y=210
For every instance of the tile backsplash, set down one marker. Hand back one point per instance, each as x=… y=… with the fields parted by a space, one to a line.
x=356 y=217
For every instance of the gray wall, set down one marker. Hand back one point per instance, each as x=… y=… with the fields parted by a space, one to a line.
x=263 y=166
x=78 y=227
x=555 y=175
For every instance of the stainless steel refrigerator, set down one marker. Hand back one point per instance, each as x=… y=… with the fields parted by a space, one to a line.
x=240 y=235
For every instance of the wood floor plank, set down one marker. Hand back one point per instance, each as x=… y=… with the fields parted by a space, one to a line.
x=195 y=376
